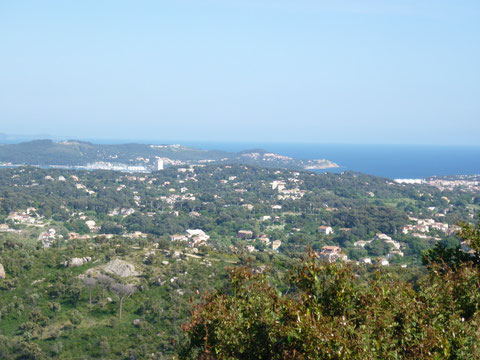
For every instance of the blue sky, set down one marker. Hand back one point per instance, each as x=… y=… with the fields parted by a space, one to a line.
x=400 y=72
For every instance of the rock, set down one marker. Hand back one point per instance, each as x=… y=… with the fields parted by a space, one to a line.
x=136 y=322
x=165 y=262
x=2 y=272
x=109 y=299
x=148 y=257
x=120 y=268
x=37 y=281
x=159 y=282
x=74 y=262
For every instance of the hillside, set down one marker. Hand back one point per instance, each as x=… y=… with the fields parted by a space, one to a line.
x=75 y=153
x=108 y=265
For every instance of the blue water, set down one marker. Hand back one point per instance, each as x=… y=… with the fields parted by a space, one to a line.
x=392 y=161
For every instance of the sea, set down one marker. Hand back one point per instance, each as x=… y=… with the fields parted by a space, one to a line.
x=391 y=161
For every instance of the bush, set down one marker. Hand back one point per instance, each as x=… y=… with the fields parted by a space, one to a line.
x=332 y=315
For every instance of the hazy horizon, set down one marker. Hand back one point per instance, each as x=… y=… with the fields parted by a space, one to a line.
x=343 y=72
x=238 y=145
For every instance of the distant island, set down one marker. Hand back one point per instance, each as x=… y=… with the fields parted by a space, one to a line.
x=133 y=157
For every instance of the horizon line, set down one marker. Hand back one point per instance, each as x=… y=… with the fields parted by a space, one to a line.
x=19 y=138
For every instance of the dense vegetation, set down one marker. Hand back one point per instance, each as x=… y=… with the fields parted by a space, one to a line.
x=219 y=206
x=62 y=232
x=48 y=152
x=333 y=312
x=46 y=310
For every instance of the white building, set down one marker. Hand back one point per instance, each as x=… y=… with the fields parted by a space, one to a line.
x=326 y=230
x=91 y=225
x=332 y=253
x=276 y=244
x=361 y=243
x=159 y=164
x=197 y=233
x=279 y=185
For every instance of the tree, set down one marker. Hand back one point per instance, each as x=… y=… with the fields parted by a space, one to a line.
x=30 y=350
x=74 y=292
x=104 y=281
x=123 y=291
x=109 y=227
x=90 y=284
x=457 y=257
x=330 y=314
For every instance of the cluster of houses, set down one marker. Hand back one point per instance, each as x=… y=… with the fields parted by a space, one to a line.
x=335 y=253
x=426 y=225
x=248 y=235
x=173 y=198
x=395 y=248
x=442 y=184
x=287 y=194
x=194 y=237
x=174 y=195
x=123 y=212
x=48 y=237
x=83 y=187
x=27 y=217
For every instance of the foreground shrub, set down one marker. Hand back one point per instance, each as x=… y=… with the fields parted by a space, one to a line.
x=329 y=313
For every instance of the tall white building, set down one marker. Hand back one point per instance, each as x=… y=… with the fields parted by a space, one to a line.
x=159 y=164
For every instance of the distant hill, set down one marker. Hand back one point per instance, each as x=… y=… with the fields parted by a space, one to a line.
x=74 y=153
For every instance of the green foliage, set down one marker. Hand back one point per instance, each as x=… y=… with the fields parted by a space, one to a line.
x=331 y=315
x=456 y=256
x=276 y=307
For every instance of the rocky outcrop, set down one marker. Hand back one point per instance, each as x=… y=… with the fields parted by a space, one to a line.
x=120 y=268
x=2 y=272
x=319 y=164
x=74 y=262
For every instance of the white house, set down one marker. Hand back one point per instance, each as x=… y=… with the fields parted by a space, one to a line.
x=276 y=244
x=326 y=230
